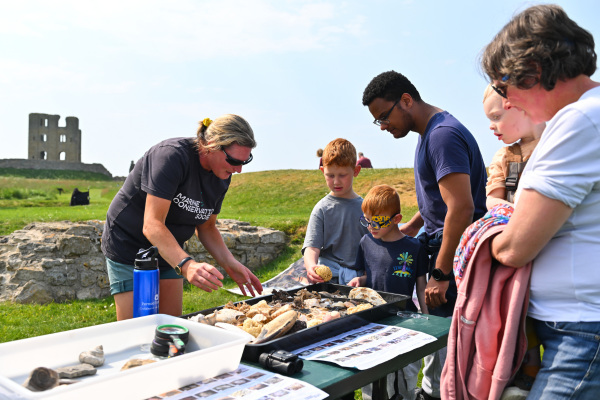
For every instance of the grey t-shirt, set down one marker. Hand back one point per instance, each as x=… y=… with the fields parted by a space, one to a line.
x=172 y=171
x=334 y=228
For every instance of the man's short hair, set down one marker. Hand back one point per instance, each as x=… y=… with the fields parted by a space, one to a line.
x=390 y=86
x=360 y=154
x=539 y=45
x=339 y=152
x=381 y=199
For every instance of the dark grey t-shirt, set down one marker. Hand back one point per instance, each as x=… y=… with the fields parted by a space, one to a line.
x=172 y=171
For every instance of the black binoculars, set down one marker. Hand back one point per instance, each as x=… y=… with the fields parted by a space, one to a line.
x=281 y=361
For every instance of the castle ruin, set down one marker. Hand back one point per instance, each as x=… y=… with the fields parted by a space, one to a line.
x=53 y=147
x=48 y=141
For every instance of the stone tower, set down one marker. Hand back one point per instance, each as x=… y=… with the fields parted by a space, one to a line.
x=48 y=141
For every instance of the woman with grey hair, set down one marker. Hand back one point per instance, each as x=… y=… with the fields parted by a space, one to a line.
x=175 y=190
x=541 y=62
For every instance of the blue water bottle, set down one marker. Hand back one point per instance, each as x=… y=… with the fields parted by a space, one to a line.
x=146 y=278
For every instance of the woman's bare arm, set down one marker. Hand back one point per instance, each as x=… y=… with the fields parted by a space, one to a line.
x=535 y=221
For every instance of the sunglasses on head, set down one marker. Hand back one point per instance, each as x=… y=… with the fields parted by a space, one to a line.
x=234 y=161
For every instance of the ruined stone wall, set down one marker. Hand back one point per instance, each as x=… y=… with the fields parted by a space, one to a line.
x=59 y=261
x=21 y=163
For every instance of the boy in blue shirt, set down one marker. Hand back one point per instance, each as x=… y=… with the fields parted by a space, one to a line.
x=392 y=262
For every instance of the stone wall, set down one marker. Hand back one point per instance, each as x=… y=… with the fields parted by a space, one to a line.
x=21 y=163
x=60 y=261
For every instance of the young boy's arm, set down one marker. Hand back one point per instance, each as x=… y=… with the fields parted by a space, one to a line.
x=359 y=280
x=360 y=265
x=421 y=285
x=311 y=259
x=313 y=243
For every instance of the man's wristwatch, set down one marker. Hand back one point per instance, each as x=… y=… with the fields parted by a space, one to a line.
x=181 y=264
x=439 y=275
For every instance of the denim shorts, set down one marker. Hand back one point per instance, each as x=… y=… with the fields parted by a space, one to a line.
x=121 y=276
x=571 y=363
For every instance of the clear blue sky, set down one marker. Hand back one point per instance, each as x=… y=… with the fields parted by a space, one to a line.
x=137 y=72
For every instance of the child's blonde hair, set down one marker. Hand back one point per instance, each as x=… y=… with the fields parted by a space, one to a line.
x=339 y=152
x=381 y=199
x=486 y=93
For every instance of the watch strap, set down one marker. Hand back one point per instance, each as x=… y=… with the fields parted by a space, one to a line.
x=442 y=277
x=181 y=264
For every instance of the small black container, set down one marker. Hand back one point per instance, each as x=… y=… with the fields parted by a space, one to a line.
x=305 y=337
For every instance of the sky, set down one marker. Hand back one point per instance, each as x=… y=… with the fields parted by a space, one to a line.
x=137 y=72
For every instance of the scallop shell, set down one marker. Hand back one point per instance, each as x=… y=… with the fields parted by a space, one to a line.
x=364 y=293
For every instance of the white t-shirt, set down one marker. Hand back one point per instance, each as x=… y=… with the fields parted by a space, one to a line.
x=565 y=280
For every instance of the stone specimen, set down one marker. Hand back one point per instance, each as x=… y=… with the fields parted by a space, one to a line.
x=136 y=363
x=94 y=356
x=41 y=379
x=76 y=371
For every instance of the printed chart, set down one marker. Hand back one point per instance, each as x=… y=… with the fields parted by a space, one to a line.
x=365 y=347
x=245 y=383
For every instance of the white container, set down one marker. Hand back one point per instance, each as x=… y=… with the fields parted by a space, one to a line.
x=210 y=351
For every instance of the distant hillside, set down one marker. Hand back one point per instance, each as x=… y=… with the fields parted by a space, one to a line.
x=53 y=174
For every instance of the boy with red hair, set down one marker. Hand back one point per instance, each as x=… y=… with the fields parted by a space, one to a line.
x=333 y=234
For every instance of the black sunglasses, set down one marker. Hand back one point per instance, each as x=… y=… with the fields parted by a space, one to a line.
x=384 y=119
x=234 y=162
x=500 y=91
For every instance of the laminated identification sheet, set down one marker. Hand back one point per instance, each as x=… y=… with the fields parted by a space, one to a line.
x=365 y=347
x=245 y=383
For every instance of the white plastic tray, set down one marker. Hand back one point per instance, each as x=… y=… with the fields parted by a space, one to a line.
x=210 y=351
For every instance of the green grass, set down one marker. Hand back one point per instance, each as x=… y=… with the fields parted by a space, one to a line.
x=53 y=174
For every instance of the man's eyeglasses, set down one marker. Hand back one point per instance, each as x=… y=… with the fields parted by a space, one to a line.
x=377 y=221
x=384 y=119
x=234 y=162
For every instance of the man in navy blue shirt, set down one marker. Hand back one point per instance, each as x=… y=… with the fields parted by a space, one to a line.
x=450 y=180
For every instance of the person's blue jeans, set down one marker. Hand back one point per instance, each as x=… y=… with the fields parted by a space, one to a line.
x=571 y=361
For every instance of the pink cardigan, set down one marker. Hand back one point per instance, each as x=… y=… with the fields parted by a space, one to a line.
x=487 y=342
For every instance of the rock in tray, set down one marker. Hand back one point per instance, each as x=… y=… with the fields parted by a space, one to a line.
x=76 y=371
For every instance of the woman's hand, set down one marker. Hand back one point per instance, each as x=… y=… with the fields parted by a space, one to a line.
x=202 y=275
x=243 y=277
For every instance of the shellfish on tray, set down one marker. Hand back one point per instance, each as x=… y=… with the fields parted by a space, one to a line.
x=286 y=314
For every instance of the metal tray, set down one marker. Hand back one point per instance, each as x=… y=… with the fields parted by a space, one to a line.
x=395 y=303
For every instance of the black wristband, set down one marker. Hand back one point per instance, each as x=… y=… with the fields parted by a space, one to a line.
x=181 y=264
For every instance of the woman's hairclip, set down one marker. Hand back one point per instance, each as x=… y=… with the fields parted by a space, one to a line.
x=206 y=122
x=505 y=78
